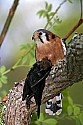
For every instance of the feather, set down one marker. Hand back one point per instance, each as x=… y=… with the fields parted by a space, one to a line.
x=35 y=82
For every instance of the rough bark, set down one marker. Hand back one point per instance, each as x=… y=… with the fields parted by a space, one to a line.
x=64 y=74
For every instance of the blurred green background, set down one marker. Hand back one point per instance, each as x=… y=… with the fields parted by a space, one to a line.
x=24 y=23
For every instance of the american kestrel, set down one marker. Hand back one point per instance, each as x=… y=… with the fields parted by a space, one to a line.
x=35 y=82
x=54 y=48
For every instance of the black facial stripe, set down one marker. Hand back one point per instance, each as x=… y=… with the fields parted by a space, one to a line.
x=47 y=37
x=41 y=39
x=40 y=33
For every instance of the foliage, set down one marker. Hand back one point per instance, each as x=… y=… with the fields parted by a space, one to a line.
x=3 y=78
x=1 y=113
x=71 y=111
x=25 y=60
x=50 y=15
x=43 y=120
x=28 y=54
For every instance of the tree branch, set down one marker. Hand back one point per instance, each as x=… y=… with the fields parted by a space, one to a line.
x=73 y=29
x=55 y=12
x=8 y=20
x=76 y=25
x=64 y=74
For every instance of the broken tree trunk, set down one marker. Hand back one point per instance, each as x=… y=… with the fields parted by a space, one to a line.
x=64 y=74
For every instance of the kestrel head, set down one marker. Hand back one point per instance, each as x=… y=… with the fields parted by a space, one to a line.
x=42 y=36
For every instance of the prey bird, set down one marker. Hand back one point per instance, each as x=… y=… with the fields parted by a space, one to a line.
x=35 y=82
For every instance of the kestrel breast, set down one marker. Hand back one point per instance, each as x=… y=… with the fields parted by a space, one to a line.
x=53 y=51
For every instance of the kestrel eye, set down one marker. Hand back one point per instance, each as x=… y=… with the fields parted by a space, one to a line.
x=40 y=33
x=53 y=36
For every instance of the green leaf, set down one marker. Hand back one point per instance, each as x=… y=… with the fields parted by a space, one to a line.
x=81 y=118
x=66 y=92
x=77 y=121
x=40 y=13
x=34 y=118
x=69 y=110
x=45 y=14
x=55 y=27
x=0 y=84
x=70 y=100
x=24 y=46
x=42 y=117
x=37 y=122
x=24 y=60
x=52 y=14
x=50 y=121
x=3 y=92
x=57 y=20
x=65 y=105
x=32 y=53
x=4 y=79
x=2 y=69
x=50 y=23
x=76 y=110
x=46 y=5
x=70 y=1
x=49 y=8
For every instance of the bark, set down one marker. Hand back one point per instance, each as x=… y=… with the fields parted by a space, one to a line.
x=64 y=74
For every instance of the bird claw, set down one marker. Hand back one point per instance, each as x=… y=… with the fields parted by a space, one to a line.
x=28 y=103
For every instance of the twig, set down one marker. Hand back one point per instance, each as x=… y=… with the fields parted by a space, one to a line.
x=8 y=21
x=55 y=12
x=81 y=9
x=73 y=29
x=76 y=26
x=17 y=64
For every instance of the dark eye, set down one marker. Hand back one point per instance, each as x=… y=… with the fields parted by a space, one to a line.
x=53 y=36
x=40 y=33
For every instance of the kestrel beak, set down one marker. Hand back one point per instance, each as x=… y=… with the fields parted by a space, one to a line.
x=35 y=36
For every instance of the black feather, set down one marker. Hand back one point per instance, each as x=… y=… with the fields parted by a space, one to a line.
x=35 y=82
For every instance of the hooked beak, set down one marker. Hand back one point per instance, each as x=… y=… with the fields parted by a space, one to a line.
x=35 y=36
